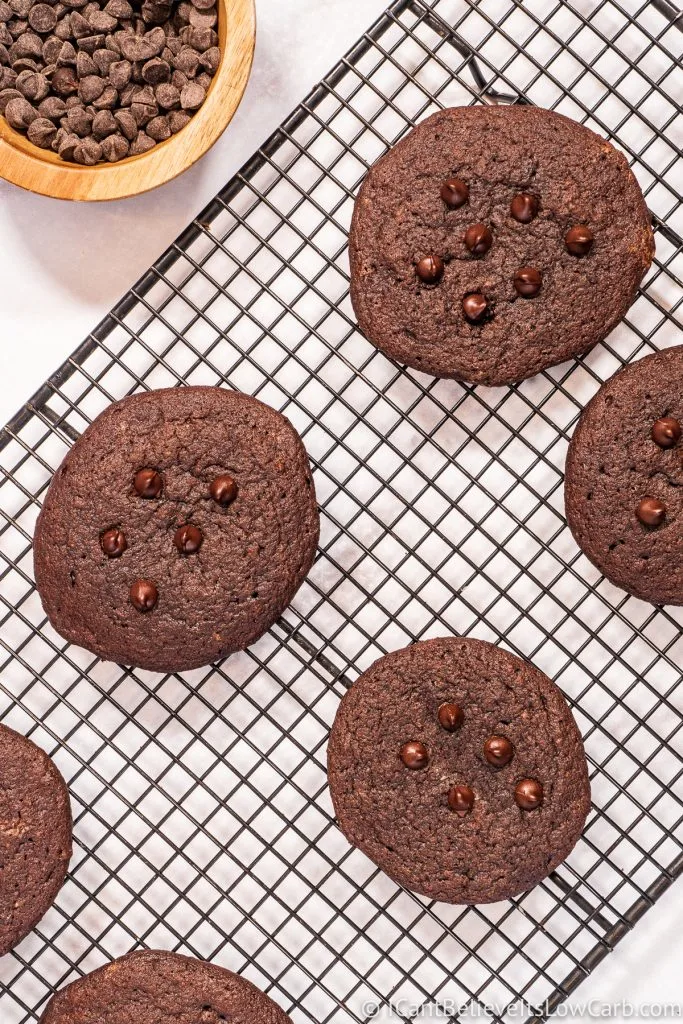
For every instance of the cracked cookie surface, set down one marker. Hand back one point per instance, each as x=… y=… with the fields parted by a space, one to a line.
x=536 y=181
x=623 y=485
x=459 y=770
x=177 y=529
x=150 y=987
x=35 y=836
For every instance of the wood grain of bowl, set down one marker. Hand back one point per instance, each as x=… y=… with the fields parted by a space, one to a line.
x=42 y=171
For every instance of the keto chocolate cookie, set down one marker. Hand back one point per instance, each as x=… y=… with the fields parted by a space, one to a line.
x=177 y=529
x=624 y=479
x=35 y=836
x=459 y=770
x=493 y=242
x=162 y=988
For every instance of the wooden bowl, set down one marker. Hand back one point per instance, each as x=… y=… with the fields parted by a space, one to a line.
x=42 y=171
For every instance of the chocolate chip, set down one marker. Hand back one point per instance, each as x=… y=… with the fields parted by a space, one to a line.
x=42 y=132
x=223 y=489
x=188 y=539
x=475 y=307
x=666 y=432
x=80 y=26
x=127 y=124
x=148 y=483
x=414 y=755
x=524 y=207
x=430 y=269
x=66 y=56
x=20 y=114
x=120 y=9
x=120 y=74
x=113 y=542
x=167 y=96
x=67 y=145
x=42 y=18
x=155 y=13
x=651 y=511
x=6 y=95
x=52 y=107
x=64 y=82
x=143 y=595
x=79 y=121
x=455 y=192
x=91 y=88
x=100 y=21
x=192 y=96
x=177 y=120
x=143 y=113
x=450 y=717
x=478 y=239
x=103 y=60
x=527 y=282
x=498 y=751
x=461 y=800
x=579 y=240
x=114 y=147
x=528 y=794
x=211 y=59
x=203 y=19
x=87 y=152
x=159 y=128
x=187 y=61
x=107 y=100
x=142 y=144
x=155 y=71
x=85 y=65
x=32 y=85
x=103 y=124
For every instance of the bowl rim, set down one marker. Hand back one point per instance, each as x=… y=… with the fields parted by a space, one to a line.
x=43 y=172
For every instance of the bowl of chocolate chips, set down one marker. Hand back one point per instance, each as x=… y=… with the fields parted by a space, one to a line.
x=102 y=99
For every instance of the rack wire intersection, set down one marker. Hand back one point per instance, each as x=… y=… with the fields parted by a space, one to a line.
x=202 y=817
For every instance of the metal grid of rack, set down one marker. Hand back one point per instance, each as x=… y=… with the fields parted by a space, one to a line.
x=202 y=817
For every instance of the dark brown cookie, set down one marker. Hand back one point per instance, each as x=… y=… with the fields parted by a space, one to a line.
x=35 y=836
x=624 y=479
x=459 y=770
x=177 y=529
x=493 y=242
x=162 y=988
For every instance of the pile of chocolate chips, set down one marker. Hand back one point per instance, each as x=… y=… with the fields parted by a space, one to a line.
x=102 y=81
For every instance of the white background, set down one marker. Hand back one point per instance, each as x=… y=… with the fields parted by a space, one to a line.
x=62 y=266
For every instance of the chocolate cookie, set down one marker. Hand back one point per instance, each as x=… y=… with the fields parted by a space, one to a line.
x=35 y=836
x=177 y=529
x=162 y=988
x=624 y=479
x=493 y=242
x=459 y=770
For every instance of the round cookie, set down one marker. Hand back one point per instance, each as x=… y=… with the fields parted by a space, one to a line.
x=35 y=836
x=162 y=988
x=492 y=242
x=177 y=529
x=624 y=479
x=459 y=770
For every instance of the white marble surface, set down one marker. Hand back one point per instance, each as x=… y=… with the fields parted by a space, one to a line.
x=62 y=266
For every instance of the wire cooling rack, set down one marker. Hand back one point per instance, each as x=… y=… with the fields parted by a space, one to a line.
x=203 y=822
